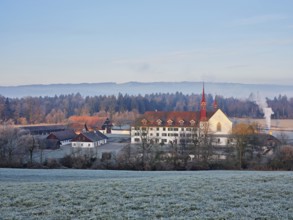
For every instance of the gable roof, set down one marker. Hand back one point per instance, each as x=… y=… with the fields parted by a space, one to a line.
x=62 y=135
x=220 y=112
x=37 y=129
x=90 y=136
x=151 y=118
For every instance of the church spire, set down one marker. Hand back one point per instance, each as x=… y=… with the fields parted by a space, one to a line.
x=203 y=106
x=215 y=104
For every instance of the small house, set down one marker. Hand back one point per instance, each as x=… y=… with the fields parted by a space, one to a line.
x=89 y=139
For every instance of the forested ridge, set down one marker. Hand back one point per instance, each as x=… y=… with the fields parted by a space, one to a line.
x=57 y=109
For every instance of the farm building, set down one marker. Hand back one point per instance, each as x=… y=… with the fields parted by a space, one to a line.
x=62 y=137
x=89 y=139
x=43 y=129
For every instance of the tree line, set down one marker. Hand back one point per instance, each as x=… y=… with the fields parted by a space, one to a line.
x=57 y=109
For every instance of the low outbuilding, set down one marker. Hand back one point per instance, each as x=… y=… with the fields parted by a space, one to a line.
x=62 y=137
x=89 y=139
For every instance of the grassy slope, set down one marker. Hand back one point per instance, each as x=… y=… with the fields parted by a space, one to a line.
x=86 y=194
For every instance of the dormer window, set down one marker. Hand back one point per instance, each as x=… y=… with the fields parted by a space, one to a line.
x=181 y=122
x=192 y=122
x=159 y=121
x=170 y=122
x=144 y=121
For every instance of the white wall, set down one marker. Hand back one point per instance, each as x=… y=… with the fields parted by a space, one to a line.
x=126 y=132
x=83 y=144
x=220 y=117
x=171 y=133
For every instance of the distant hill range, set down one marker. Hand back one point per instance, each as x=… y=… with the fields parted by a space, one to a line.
x=134 y=88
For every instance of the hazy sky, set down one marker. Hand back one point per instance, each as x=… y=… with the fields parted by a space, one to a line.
x=69 y=41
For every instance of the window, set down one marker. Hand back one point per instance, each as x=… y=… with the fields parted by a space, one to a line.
x=192 y=122
x=89 y=145
x=219 y=127
x=159 y=121
x=175 y=129
x=158 y=134
x=144 y=121
x=136 y=139
x=170 y=122
x=164 y=129
x=151 y=134
x=158 y=129
x=181 y=122
x=170 y=129
x=164 y=134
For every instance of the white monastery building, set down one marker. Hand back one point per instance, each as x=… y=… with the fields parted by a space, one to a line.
x=182 y=127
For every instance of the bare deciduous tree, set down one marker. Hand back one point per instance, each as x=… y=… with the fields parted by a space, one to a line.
x=10 y=144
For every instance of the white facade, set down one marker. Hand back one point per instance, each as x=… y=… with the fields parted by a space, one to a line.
x=219 y=123
x=65 y=142
x=88 y=144
x=160 y=134
x=219 y=126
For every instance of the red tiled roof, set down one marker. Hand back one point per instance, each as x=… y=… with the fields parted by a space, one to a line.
x=152 y=117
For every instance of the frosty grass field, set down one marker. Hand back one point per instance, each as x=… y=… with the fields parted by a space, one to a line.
x=93 y=194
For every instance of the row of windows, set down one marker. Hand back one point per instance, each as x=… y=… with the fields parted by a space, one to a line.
x=164 y=134
x=74 y=144
x=156 y=140
x=165 y=140
x=169 y=135
x=169 y=129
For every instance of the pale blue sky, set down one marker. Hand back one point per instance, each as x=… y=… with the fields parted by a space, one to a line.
x=70 y=41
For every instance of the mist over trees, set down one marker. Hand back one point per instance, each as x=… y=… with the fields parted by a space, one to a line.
x=57 y=109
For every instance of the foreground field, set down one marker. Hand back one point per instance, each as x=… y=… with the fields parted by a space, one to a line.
x=91 y=194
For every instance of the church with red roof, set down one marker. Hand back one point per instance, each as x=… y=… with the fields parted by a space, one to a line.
x=163 y=127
